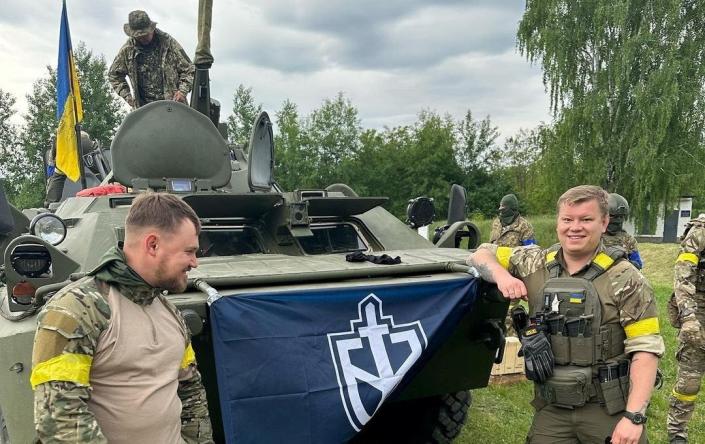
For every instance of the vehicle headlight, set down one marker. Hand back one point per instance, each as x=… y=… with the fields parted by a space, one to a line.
x=30 y=260
x=48 y=227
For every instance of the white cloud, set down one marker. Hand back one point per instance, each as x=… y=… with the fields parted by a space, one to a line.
x=391 y=58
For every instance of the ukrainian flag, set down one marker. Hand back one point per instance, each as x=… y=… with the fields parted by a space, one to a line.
x=69 y=111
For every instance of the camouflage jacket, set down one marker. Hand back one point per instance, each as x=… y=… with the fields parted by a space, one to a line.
x=520 y=232
x=176 y=71
x=69 y=331
x=688 y=285
x=626 y=241
x=631 y=301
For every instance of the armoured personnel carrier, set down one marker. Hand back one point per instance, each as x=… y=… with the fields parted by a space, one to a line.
x=295 y=321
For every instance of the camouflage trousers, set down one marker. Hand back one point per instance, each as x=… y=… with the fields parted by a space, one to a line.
x=55 y=187
x=691 y=367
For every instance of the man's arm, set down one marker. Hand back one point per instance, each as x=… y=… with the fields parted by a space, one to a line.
x=490 y=269
x=117 y=75
x=185 y=69
x=67 y=334
x=61 y=414
x=639 y=318
x=528 y=237
x=685 y=277
x=195 y=422
x=642 y=376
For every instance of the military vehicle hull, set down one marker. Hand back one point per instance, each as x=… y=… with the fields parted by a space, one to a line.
x=463 y=362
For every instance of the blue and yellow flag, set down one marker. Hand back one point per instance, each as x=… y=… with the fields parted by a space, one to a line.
x=69 y=111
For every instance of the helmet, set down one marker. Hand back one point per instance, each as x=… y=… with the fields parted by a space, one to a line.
x=618 y=205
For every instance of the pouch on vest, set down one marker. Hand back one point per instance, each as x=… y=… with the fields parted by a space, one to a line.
x=613 y=381
x=569 y=387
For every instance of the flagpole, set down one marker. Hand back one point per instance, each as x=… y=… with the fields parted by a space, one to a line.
x=77 y=128
x=81 y=169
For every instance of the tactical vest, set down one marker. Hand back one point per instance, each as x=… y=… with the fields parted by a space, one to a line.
x=571 y=312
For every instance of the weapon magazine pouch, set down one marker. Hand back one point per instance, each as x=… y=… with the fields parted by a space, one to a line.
x=569 y=387
x=612 y=394
x=561 y=349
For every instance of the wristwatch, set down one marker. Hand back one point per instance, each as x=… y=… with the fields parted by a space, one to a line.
x=636 y=418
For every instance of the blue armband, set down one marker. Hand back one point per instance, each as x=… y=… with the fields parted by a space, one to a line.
x=635 y=258
x=526 y=242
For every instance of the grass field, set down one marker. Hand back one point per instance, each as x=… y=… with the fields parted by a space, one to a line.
x=502 y=414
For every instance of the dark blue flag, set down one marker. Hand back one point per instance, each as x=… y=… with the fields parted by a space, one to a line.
x=314 y=366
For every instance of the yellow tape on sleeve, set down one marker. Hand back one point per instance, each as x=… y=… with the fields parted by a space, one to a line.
x=189 y=357
x=503 y=255
x=688 y=257
x=648 y=326
x=68 y=367
x=684 y=398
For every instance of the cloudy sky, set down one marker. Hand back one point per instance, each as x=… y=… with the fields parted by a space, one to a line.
x=392 y=58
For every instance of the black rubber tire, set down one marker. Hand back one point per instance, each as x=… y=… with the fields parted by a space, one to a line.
x=434 y=420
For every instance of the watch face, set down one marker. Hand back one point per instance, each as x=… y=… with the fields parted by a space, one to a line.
x=636 y=418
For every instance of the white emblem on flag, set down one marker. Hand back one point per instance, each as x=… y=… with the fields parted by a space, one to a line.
x=369 y=335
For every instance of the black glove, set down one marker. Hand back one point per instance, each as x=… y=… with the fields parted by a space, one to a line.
x=538 y=356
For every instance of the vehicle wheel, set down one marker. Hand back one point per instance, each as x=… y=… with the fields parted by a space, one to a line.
x=434 y=420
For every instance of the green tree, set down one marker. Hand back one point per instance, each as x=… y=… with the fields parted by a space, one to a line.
x=102 y=114
x=331 y=136
x=243 y=117
x=10 y=162
x=625 y=79
x=291 y=162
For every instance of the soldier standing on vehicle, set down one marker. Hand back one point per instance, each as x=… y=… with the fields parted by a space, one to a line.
x=56 y=178
x=591 y=341
x=155 y=62
x=689 y=317
x=615 y=235
x=509 y=228
x=112 y=359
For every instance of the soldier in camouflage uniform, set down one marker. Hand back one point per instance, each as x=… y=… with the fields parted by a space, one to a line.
x=686 y=313
x=509 y=229
x=112 y=359
x=629 y=332
x=56 y=178
x=615 y=236
x=155 y=62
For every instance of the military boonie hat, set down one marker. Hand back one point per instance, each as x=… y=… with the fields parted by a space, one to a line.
x=138 y=24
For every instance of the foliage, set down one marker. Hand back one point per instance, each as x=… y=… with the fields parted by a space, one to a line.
x=243 y=117
x=102 y=114
x=625 y=79
x=11 y=165
x=424 y=159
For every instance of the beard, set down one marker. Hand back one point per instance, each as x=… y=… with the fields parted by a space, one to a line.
x=174 y=282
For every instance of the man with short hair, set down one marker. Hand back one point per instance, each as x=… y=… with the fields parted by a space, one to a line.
x=509 y=228
x=155 y=62
x=591 y=341
x=112 y=359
